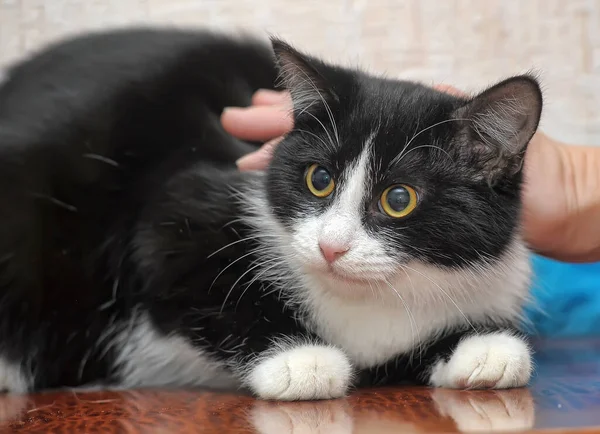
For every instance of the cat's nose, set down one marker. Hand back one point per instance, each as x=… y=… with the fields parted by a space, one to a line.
x=331 y=252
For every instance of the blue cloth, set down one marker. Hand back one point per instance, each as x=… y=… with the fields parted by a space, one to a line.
x=566 y=299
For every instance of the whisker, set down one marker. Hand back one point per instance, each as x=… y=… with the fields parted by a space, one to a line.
x=232 y=244
x=446 y=294
x=424 y=146
x=395 y=160
x=253 y=252
x=56 y=201
x=231 y=222
x=312 y=134
x=327 y=108
x=101 y=158
x=240 y=278
x=308 y=80
x=413 y=322
x=332 y=144
x=417 y=327
x=255 y=278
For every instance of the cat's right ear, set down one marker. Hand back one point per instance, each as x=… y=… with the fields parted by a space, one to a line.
x=302 y=76
x=499 y=123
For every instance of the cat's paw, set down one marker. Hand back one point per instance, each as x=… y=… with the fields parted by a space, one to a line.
x=488 y=361
x=302 y=373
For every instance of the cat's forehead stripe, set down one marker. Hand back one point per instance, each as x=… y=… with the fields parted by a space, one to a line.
x=356 y=180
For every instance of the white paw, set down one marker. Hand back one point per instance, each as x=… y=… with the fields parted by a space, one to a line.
x=490 y=361
x=302 y=373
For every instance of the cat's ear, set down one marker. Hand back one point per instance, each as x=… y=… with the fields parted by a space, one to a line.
x=499 y=123
x=303 y=77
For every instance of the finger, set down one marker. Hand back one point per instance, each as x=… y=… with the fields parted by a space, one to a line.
x=271 y=97
x=258 y=123
x=260 y=159
x=451 y=90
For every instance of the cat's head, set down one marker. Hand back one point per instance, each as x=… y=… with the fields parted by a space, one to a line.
x=380 y=174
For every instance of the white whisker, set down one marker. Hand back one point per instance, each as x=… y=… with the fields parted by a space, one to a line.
x=256 y=277
x=399 y=156
x=413 y=323
x=397 y=161
x=325 y=104
x=446 y=294
x=313 y=135
x=253 y=252
x=233 y=243
x=240 y=278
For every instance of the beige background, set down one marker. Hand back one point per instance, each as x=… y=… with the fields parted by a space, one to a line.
x=470 y=43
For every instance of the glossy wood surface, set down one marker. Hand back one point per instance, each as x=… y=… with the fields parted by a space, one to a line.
x=564 y=397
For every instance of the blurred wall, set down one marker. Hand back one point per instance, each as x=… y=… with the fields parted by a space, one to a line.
x=469 y=43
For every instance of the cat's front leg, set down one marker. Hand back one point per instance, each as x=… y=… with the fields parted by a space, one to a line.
x=490 y=359
x=297 y=370
x=496 y=360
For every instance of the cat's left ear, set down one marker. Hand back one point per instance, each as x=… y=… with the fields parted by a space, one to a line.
x=499 y=123
x=304 y=77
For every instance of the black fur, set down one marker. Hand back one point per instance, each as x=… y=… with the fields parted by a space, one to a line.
x=118 y=182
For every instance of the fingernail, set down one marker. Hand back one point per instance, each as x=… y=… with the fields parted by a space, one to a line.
x=233 y=109
x=269 y=92
x=233 y=114
x=269 y=97
x=240 y=162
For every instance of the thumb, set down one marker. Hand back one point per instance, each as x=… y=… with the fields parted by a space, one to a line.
x=258 y=160
x=451 y=90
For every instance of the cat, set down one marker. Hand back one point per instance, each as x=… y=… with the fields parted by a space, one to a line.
x=381 y=246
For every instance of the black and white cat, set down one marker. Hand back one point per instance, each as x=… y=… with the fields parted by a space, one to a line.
x=381 y=246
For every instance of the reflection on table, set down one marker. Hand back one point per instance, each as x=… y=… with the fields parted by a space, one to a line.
x=565 y=394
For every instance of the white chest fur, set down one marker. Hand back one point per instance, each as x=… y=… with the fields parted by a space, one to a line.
x=373 y=330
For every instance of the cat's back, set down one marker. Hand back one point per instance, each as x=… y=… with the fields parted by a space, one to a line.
x=105 y=93
x=96 y=65
x=92 y=129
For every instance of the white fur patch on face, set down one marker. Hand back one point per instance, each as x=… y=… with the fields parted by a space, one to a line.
x=13 y=379
x=303 y=372
x=489 y=361
x=340 y=227
x=147 y=358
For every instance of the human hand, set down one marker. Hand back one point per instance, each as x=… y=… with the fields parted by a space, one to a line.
x=561 y=199
x=267 y=119
x=561 y=196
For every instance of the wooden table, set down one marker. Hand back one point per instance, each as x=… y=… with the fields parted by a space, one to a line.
x=564 y=397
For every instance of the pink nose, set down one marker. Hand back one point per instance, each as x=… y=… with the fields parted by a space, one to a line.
x=331 y=252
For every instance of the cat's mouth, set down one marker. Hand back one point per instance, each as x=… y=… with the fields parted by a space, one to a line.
x=333 y=274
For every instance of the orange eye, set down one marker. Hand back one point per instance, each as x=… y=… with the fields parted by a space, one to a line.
x=319 y=181
x=398 y=200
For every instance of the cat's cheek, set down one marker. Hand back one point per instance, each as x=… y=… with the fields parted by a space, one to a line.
x=489 y=361
x=300 y=373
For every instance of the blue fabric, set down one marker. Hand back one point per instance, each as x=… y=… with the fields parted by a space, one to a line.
x=566 y=298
